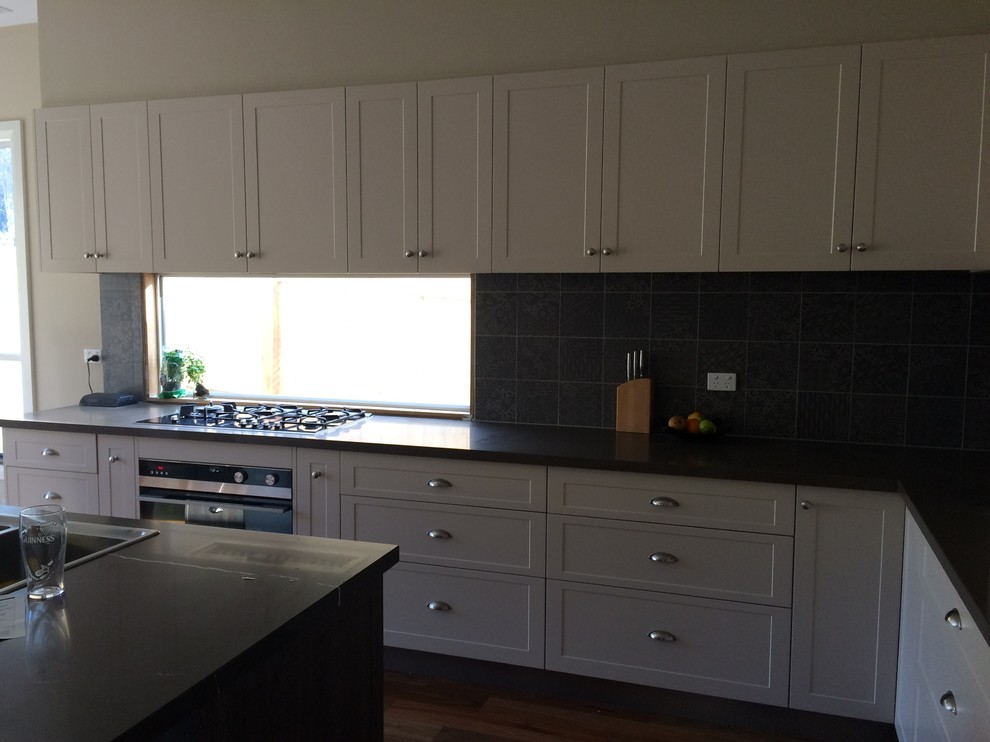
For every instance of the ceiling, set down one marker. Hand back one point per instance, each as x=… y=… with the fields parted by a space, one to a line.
x=18 y=12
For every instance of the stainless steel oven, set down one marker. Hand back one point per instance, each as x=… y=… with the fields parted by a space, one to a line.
x=242 y=497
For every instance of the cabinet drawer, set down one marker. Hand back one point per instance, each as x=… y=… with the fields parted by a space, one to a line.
x=710 y=563
x=517 y=486
x=76 y=492
x=45 y=449
x=474 y=614
x=450 y=535
x=686 y=501
x=714 y=647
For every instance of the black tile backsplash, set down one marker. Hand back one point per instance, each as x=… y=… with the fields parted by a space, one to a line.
x=872 y=357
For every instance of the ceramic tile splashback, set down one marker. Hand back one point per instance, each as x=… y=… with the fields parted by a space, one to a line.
x=891 y=358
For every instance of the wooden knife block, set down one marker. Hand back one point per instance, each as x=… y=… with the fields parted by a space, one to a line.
x=634 y=406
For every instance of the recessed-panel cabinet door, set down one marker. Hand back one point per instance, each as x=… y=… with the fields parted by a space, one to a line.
x=790 y=149
x=197 y=184
x=122 y=187
x=662 y=173
x=381 y=179
x=547 y=171
x=455 y=176
x=296 y=181
x=922 y=195
x=65 y=189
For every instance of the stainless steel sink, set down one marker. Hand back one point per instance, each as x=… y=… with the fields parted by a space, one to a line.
x=87 y=541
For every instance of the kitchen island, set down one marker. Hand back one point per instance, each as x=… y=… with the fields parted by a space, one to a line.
x=203 y=633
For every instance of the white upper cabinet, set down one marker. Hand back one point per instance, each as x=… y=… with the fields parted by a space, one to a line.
x=296 y=181
x=547 y=171
x=197 y=184
x=922 y=184
x=455 y=176
x=381 y=179
x=65 y=189
x=122 y=187
x=790 y=149
x=661 y=179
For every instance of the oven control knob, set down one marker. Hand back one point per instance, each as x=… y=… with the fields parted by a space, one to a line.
x=239 y=476
x=271 y=479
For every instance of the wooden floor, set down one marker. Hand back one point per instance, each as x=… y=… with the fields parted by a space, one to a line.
x=420 y=709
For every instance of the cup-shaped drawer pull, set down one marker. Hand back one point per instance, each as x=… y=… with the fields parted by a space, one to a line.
x=663 y=557
x=438 y=533
x=438 y=605
x=52 y=495
x=49 y=452
x=948 y=702
x=439 y=484
x=662 y=636
x=664 y=502
x=952 y=618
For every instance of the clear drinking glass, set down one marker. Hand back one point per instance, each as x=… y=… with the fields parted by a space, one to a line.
x=42 y=530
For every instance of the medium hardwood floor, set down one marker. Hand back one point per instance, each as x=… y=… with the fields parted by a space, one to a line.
x=422 y=709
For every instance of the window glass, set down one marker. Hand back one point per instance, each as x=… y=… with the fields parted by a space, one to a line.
x=394 y=341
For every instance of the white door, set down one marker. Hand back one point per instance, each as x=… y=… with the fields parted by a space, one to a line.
x=547 y=171
x=790 y=149
x=662 y=173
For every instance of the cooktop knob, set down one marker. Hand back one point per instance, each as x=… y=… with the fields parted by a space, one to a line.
x=239 y=476
x=271 y=479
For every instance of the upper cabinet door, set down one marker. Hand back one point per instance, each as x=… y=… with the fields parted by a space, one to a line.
x=296 y=181
x=65 y=189
x=381 y=179
x=790 y=149
x=922 y=185
x=122 y=187
x=455 y=176
x=547 y=171
x=197 y=184
x=662 y=174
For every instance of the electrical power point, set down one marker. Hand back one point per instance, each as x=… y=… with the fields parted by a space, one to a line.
x=722 y=382
x=89 y=353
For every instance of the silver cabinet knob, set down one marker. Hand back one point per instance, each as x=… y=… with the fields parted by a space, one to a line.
x=664 y=502
x=662 y=636
x=663 y=557
x=52 y=495
x=861 y=247
x=952 y=618
x=438 y=605
x=438 y=533
x=250 y=255
x=423 y=254
x=843 y=247
x=409 y=254
x=805 y=505
x=316 y=475
x=238 y=254
x=606 y=251
x=89 y=255
x=948 y=702
x=113 y=459
x=49 y=452
x=439 y=484
x=591 y=252
x=99 y=255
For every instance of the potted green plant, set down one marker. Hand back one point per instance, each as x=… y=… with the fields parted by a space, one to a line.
x=171 y=373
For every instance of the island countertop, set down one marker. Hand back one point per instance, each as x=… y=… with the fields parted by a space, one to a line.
x=141 y=626
x=947 y=491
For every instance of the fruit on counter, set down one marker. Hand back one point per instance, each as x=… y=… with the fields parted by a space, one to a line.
x=707 y=427
x=695 y=416
x=677 y=422
x=695 y=423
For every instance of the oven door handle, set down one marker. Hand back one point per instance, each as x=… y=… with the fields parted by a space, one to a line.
x=274 y=508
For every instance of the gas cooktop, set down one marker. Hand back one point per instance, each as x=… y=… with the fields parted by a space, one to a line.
x=266 y=417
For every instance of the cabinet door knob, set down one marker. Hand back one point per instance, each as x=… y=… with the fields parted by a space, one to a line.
x=439 y=483
x=663 y=557
x=438 y=533
x=113 y=459
x=862 y=247
x=805 y=505
x=948 y=702
x=606 y=251
x=250 y=255
x=423 y=254
x=591 y=252
x=88 y=255
x=238 y=254
x=316 y=475
x=52 y=495
x=438 y=605
x=952 y=618
x=49 y=452
x=842 y=247
x=409 y=254
x=664 y=502
x=662 y=636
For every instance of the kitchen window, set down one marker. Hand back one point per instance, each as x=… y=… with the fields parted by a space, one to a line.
x=395 y=342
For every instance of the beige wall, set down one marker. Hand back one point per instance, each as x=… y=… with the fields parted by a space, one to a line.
x=65 y=314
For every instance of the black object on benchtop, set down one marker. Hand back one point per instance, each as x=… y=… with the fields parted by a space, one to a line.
x=107 y=399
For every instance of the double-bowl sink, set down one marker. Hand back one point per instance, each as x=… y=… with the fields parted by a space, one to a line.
x=85 y=542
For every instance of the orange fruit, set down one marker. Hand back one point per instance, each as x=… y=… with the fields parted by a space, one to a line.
x=693 y=424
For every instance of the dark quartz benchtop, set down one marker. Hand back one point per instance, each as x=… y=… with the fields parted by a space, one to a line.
x=138 y=627
x=948 y=491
